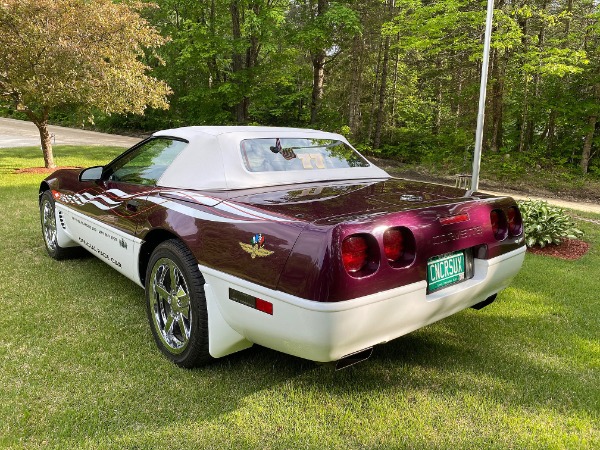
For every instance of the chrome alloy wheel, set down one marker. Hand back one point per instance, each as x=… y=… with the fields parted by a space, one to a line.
x=170 y=305
x=49 y=224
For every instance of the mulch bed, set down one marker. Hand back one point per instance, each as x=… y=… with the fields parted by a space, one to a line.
x=569 y=249
x=43 y=169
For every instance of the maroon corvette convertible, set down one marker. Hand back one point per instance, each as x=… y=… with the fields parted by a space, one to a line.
x=287 y=238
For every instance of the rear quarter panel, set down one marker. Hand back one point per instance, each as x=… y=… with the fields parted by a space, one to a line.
x=224 y=242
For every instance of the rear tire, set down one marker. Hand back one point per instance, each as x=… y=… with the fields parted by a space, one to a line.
x=176 y=305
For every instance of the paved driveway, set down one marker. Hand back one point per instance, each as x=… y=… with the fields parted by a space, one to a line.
x=19 y=133
x=579 y=206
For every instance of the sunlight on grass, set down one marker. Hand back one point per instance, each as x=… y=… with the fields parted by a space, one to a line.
x=80 y=369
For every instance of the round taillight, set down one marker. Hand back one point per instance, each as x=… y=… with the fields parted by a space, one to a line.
x=354 y=253
x=515 y=222
x=392 y=244
x=498 y=220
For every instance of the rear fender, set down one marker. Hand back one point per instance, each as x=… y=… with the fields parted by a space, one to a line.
x=222 y=339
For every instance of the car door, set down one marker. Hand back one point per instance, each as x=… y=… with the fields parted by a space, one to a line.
x=113 y=211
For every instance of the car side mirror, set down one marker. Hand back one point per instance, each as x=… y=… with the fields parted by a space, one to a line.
x=91 y=173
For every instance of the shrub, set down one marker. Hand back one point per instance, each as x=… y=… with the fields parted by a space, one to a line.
x=546 y=224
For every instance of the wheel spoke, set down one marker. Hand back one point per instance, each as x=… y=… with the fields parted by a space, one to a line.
x=162 y=292
x=169 y=326
x=185 y=311
x=185 y=332
x=173 y=274
x=160 y=281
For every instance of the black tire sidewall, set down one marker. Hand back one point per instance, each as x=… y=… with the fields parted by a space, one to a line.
x=196 y=352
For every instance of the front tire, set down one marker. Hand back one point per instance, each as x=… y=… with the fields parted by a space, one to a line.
x=49 y=228
x=176 y=305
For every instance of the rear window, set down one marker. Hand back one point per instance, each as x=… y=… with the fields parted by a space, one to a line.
x=287 y=154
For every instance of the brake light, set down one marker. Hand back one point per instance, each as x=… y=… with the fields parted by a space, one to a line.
x=354 y=253
x=498 y=220
x=515 y=221
x=392 y=244
x=454 y=219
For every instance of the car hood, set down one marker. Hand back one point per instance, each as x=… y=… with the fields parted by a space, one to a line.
x=350 y=200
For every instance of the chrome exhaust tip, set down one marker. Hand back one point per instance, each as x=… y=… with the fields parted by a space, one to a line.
x=353 y=358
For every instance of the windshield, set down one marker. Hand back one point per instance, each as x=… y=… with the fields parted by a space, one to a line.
x=287 y=154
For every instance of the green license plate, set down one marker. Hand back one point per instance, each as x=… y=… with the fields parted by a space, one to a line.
x=445 y=270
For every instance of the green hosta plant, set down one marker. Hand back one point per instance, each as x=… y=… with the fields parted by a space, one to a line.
x=545 y=224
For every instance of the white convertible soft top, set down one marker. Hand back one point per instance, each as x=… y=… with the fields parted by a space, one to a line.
x=213 y=160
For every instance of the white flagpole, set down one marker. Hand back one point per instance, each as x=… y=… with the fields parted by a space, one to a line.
x=482 y=93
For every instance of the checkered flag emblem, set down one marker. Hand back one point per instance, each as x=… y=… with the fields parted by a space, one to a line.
x=288 y=153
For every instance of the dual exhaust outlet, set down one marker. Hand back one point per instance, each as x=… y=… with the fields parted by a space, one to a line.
x=353 y=358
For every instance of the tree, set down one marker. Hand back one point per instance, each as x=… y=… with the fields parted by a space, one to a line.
x=76 y=53
x=325 y=29
x=225 y=61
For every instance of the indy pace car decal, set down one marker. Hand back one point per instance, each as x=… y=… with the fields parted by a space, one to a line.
x=221 y=210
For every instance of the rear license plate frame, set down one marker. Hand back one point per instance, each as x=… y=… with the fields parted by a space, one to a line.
x=447 y=270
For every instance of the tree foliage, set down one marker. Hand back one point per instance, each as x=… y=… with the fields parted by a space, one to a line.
x=78 y=53
x=401 y=77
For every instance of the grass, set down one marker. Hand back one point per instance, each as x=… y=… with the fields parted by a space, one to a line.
x=79 y=368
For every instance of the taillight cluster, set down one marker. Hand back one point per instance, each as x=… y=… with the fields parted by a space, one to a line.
x=392 y=243
x=360 y=252
x=355 y=253
x=506 y=224
x=515 y=221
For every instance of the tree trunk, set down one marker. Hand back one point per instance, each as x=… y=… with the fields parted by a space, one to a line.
x=568 y=17
x=390 y=4
x=212 y=62
x=355 y=85
x=437 y=123
x=498 y=100
x=459 y=88
x=374 y=98
x=318 y=62
x=395 y=88
x=587 y=144
x=45 y=138
x=530 y=128
x=241 y=108
x=522 y=118
x=530 y=124
x=550 y=132
x=318 y=82
x=382 y=92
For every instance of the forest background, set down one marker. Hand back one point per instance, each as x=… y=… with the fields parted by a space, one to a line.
x=400 y=78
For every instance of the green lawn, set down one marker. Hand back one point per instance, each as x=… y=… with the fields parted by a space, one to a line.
x=79 y=369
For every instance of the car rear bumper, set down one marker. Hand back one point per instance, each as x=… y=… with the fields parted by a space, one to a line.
x=330 y=331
